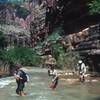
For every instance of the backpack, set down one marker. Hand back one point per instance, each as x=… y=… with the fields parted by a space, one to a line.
x=24 y=76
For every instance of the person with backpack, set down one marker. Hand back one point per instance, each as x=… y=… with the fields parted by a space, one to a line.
x=21 y=78
x=82 y=70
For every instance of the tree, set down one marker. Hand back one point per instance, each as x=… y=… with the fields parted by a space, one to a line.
x=94 y=7
x=23 y=55
x=65 y=59
x=22 y=12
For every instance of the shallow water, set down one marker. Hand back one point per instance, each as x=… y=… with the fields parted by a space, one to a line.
x=37 y=89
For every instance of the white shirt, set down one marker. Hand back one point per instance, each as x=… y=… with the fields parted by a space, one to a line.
x=82 y=68
x=54 y=74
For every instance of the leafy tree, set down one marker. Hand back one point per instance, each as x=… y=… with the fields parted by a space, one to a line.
x=94 y=7
x=22 y=12
x=70 y=59
x=64 y=59
x=57 y=50
x=58 y=53
x=23 y=55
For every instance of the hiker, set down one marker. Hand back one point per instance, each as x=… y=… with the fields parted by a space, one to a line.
x=21 y=78
x=52 y=72
x=82 y=70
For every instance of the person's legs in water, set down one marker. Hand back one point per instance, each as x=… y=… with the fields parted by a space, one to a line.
x=54 y=84
x=18 y=84
x=22 y=93
x=82 y=78
x=21 y=87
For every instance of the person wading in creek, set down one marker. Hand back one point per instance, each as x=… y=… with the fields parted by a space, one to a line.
x=82 y=70
x=52 y=72
x=21 y=78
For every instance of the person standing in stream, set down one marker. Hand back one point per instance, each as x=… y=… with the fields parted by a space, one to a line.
x=21 y=78
x=52 y=72
x=82 y=70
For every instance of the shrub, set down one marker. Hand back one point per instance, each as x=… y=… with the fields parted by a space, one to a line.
x=64 y=59
x=22 y=12
x=23 y=55
x=94 y=7
x=70 y=59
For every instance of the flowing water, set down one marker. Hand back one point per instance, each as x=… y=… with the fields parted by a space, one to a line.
x=37 y=89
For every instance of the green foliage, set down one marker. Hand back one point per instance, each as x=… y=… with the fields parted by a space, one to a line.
x=55 y=35
x=64 y=59
x=94 y=7
x=70 y=59
x=22 y=12
x=57 y=50
x=2 y=54
x=58 y=53
x=25 y=56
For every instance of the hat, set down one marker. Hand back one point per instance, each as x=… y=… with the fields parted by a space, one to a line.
x=80 y=61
